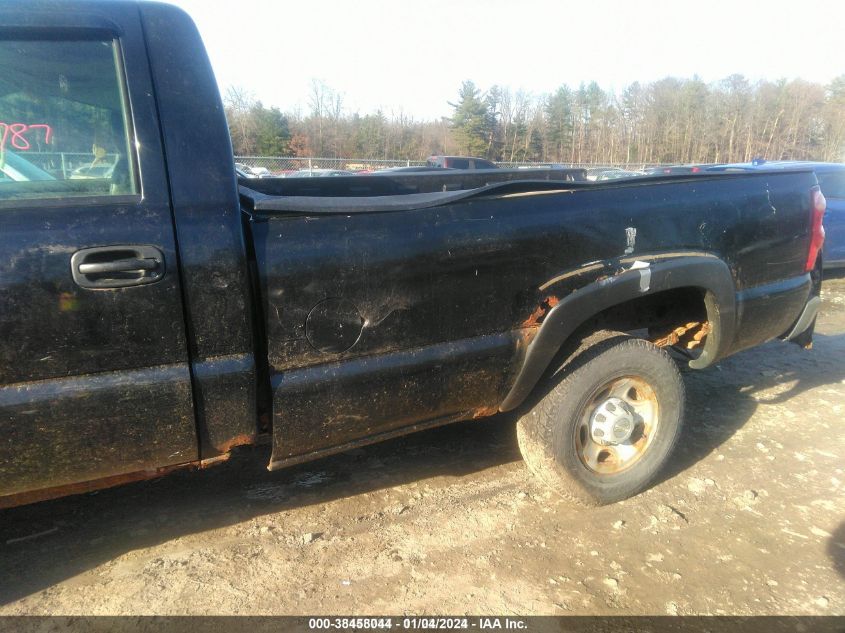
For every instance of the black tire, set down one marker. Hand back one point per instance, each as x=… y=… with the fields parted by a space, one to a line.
x=551 y=432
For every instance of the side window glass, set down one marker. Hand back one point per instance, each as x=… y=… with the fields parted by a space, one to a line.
x=64 y=129
x=459 y=163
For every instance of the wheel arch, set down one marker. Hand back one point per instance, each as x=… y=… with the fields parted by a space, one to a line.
x=706 y=273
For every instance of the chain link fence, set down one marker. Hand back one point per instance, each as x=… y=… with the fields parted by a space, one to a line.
x=280 y=165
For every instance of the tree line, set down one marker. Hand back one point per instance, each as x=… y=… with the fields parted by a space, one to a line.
x=667 y=121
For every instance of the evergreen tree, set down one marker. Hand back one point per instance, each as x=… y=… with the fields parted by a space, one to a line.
x=471 y=121
x=559 y=124
x=272 y=135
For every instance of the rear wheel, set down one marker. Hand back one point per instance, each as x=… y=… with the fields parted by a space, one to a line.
x=604 y=431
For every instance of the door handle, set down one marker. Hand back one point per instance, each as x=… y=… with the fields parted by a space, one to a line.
x=117 y=266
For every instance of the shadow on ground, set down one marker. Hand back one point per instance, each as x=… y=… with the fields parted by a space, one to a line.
x=82 y=532
x=836 y=549
x=721 y=399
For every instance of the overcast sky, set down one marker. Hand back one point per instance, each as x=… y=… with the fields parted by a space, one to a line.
x=411 y=57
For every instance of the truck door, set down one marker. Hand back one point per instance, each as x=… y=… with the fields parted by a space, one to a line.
x=94 y=378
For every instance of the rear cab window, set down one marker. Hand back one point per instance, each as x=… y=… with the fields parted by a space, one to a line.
x=64 y=124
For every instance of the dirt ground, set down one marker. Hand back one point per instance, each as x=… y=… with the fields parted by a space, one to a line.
x=749 y=519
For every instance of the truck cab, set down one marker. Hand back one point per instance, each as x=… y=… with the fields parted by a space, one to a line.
x=105 y=371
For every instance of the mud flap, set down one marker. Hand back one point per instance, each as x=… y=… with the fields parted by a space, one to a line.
x=805 y=339
x=801 y=333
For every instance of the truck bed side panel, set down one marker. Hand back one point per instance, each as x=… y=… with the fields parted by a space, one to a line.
x=365 y=288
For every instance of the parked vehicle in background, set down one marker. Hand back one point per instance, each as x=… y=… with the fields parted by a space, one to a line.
x=249 y=171
x=244 y=171
x=667 y=170
x=460 y=162
x=831 y=178
x=414 y=169
x=610 y=173
x=832 y=183
x=157 y=318
x=319 y=173
x=623 y=173
x=545 y=166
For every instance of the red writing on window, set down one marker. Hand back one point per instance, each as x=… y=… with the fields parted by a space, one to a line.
x=18 y=135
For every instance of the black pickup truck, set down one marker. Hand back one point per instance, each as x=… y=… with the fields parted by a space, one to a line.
x=155 y=312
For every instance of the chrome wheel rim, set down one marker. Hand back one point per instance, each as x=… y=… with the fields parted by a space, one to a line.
x=617 y=425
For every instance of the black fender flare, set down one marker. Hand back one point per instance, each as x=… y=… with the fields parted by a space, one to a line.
x=708 y=273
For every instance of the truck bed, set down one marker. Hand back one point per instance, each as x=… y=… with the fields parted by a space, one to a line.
x=379 y=193
x=372 y=303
